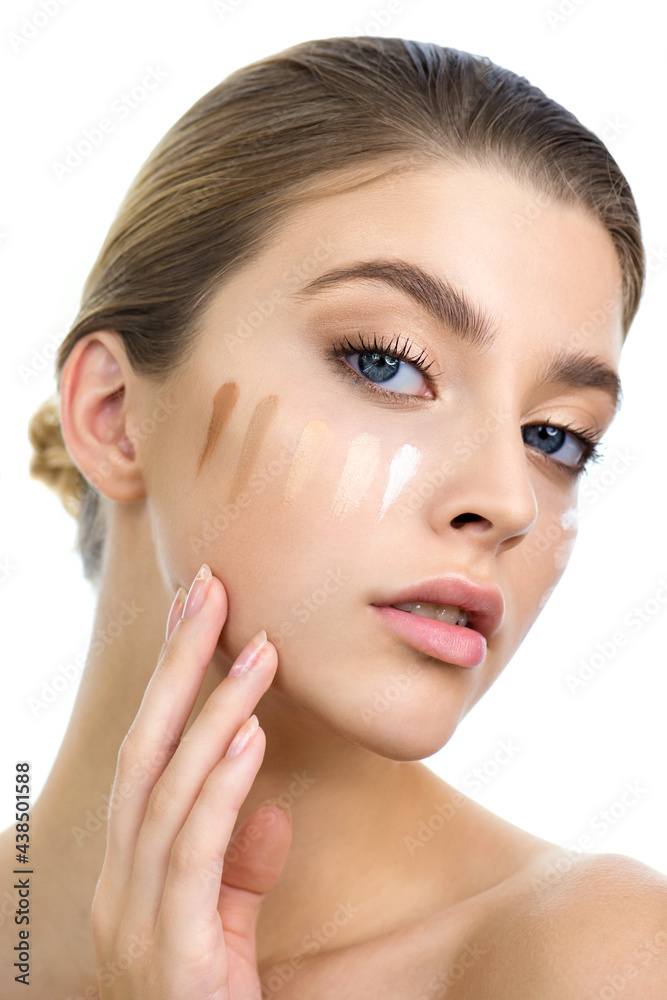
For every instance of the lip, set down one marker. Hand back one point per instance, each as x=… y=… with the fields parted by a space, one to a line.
x=464 y=646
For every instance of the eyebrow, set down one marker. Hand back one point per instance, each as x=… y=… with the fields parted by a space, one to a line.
x=451 y=308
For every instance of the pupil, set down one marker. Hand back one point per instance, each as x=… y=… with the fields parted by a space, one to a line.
x=378 y=366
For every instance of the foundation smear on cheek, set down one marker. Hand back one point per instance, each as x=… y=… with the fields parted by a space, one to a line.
x=262 y=416
x=224 y=402
x=307 y=455
x=402 y=469
x=360 y=465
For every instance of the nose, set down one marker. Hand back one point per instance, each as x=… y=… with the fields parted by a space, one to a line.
x=487 y=491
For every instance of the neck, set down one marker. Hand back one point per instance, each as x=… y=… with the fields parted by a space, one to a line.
x=337 y=791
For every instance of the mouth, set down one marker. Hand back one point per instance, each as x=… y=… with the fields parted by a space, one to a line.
x=438 y=612
x=450 y=618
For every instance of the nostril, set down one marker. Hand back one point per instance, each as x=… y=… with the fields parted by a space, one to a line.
x=462 y=518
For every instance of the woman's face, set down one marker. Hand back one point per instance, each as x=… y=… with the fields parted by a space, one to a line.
x=315 y=497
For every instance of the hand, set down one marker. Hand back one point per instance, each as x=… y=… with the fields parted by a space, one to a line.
x=168 y=917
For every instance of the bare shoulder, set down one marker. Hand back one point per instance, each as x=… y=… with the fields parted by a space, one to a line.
x=576 y=926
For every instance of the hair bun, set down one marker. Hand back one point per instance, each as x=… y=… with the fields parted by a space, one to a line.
x=51 y=461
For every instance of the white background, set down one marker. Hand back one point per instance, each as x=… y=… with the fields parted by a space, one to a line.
x=573 y=752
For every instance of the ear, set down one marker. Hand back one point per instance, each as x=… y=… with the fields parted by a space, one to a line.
x=94 y=404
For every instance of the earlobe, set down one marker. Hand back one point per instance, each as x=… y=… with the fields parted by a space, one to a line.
x=94 y=415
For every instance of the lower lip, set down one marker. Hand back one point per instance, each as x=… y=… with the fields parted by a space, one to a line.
x=455 y=644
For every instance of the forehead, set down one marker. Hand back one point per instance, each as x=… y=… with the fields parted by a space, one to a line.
x=546 y=272
x=543 y=275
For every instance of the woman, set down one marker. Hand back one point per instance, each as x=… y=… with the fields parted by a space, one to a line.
x=350 y=341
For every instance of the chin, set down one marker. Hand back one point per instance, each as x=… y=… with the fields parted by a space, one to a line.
x=400 y=725
x=401 y=742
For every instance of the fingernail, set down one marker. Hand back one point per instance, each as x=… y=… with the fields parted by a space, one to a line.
x=176 y=610
x=249 y=655
x=243 y=737
x=198 y=591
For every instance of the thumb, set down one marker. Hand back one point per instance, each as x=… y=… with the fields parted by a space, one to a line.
x=254 y=860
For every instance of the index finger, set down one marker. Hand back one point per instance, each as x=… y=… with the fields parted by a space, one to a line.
x=158 y=726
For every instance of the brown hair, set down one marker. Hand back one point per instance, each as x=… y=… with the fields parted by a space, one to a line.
x=214 y=191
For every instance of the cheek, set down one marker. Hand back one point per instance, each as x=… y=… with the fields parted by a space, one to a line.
x=542 y=557
x=282 y=509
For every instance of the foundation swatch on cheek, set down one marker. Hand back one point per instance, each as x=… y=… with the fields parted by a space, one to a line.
x=402 y=469
x=224 y=402
x=308 y=453
x=360 y=465
x=262 y=416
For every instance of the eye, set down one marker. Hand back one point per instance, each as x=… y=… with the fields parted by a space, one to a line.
x=390 y=370
x=562 y=445
x=376 y=367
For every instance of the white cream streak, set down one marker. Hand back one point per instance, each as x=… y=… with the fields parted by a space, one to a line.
x=402 y=469
x=360 y=464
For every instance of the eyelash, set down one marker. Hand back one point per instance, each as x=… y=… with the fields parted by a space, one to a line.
x=339 y=350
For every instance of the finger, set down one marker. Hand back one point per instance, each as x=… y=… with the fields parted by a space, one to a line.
x=156 y=731
x=192 y=885
x=254 y=861
x=176 y=791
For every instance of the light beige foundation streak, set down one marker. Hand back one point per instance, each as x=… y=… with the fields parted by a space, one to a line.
x=224 y=402
x=262 y=416
x=308 y=453
x=360 y=464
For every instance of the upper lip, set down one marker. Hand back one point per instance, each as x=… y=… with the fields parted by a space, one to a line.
x=483 y=603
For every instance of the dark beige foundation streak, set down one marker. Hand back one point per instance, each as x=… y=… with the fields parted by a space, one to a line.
x=262 y=416
x=224 y=402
